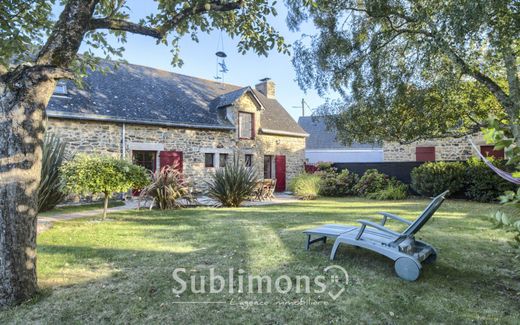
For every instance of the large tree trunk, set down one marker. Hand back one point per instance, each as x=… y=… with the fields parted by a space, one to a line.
x=23 y=97
x=24 y=94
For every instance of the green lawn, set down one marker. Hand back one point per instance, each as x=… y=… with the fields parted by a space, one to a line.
x=81 y=208
x=120 y=270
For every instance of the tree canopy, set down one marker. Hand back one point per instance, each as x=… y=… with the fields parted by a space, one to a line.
x=409 y=70
x=29 y=30
x=102 y=174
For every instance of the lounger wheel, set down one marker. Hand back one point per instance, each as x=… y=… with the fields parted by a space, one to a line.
x=407 y=269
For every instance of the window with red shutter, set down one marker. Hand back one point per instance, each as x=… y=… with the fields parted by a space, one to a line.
x=425 y=153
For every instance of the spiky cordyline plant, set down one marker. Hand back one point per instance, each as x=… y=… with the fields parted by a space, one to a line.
x=232 y=184
x=168 y=189
x=51 y=190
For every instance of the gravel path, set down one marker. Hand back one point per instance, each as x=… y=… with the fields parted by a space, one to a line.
x=45 y=222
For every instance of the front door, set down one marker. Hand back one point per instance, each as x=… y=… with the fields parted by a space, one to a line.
x=280 y=173
x=171 y=158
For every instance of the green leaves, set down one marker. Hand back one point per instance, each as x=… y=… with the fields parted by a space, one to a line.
x=408 y=70
x=167 y=188
x=306 y=186
x=51 y=190
x=87 y=174
x=24 y=26
x=433 y=178
x=232 y=184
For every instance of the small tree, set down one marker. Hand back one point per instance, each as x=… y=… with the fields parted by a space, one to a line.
x=100 y=174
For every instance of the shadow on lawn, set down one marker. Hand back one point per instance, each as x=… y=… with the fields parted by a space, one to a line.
x=260 y=241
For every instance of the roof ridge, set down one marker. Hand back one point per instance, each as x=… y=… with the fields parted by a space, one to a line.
x=171 y=72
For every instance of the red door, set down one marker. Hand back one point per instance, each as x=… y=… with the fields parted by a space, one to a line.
x=280 y=173
x=171 y=158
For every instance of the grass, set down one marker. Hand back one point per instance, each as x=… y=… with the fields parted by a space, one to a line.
x=120 y=271
x=81 y=208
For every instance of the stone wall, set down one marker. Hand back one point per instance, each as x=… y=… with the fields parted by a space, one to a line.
x=107 y=138
x=445 y=149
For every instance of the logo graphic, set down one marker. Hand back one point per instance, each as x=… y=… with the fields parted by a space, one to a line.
x=237 y=281
x=339 y=279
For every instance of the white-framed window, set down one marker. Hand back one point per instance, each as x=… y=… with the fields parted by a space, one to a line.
x=245 y=125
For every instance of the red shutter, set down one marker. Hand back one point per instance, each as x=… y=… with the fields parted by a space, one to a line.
x=171 y=158
x=280 y=173
x=425 y=153
x=489 y=151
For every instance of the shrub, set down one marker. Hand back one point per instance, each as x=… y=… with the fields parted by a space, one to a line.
x=167 y=188
x=232 y=184
x=337 y=184
x=372 y=181
x=483 y=184
x=306 y=186
x=99 y=174
x=395 y=191
x=323 y=165
x=51 y=190
x=433 y=178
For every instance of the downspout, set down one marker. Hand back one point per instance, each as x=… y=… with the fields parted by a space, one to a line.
x=123 y=141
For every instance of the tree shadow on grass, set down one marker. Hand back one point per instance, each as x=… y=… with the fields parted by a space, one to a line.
x=265 y=241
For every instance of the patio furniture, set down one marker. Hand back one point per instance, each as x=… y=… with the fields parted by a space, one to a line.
x=264 y=189
x=271 y=186
x=402 y=247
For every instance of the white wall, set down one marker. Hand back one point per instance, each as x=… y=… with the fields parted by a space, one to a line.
x=339 y=156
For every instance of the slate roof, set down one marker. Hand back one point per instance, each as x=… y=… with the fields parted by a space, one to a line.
x=321 y=138
x=143 y=95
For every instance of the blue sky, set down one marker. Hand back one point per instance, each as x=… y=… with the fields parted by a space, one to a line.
x=200 y=61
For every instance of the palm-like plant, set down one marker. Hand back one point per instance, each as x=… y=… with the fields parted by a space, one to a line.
x=168 y=188
x=232 y=184
x=51 y=189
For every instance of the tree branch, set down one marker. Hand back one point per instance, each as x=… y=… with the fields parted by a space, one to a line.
x=37 y=72
x=216 y=5
x=123 y=25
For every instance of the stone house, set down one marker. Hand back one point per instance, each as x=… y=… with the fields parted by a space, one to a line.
x=158 y=118
x=447 y=149
x=322 y=145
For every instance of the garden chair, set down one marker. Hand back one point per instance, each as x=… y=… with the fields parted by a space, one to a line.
x=258 y=191
x=402 y=247
x=269 y=188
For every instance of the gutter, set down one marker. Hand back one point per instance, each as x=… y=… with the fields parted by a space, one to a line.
x=287 y=133
x=104 y=118
x=344 y=150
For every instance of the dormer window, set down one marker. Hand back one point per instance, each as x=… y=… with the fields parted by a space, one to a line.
x=245 y=125
x=61 y=88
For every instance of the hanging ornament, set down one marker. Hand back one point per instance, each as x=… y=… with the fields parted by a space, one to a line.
x=221 y=67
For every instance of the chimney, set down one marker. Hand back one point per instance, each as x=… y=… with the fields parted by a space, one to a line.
x=267 y=87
